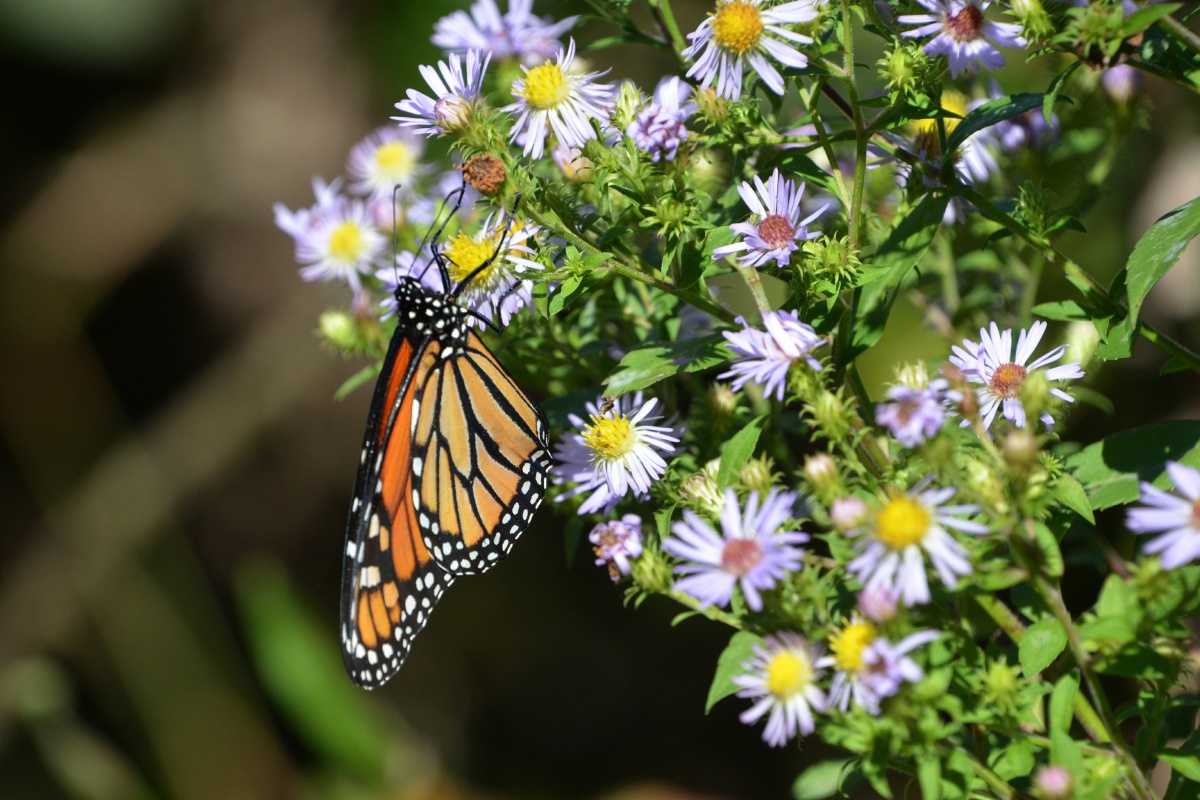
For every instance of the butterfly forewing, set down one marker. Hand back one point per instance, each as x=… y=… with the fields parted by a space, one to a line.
x=482 y=454
x=453 y=465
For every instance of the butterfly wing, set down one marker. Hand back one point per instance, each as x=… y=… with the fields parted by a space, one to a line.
x=390 y=582
x=480 y=459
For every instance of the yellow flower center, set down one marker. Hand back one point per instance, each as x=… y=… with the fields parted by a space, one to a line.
x=788 y=674
x=345 y=242
x=395 y=160
x=848 y=644
x=925 y=131
x=901 y=522
x=465 y=255
x=610 y=438
x=545 y=86
x=738 y=26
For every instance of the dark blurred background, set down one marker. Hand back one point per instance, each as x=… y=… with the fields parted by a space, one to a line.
x=174 y=471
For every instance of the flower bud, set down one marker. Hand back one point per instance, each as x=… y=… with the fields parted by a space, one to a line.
x=821 y=473
x=712 y=107
x=1053 y=782
x=848 y=513
x=830 y=414
x=1121 y=83
x=878 y=604
x=699 y=491
x=901 y=67
x=452 y=113
x=629 y=102
x=758 y=475
x=914 y=376
x=1082 y=341
x=1021 y=449
x=1001 y=684
x=340 y=330
x=651 y=572
x=987 y=485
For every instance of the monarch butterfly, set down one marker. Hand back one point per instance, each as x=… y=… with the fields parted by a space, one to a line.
x=453 y=465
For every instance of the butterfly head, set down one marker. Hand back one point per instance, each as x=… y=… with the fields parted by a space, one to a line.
x=424 y=311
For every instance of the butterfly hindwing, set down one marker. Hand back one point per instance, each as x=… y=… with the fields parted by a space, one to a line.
x=389 y=581
x=482 y=455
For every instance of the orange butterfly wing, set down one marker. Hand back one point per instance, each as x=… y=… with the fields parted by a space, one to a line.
x=454 y=462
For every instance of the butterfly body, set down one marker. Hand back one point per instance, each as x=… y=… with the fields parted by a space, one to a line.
x=454 y=463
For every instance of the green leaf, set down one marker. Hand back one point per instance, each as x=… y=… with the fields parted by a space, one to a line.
x=1056 y=86
x=901 y=252
x=929 y=775
x=821 y=780
x=989 y=114
x=737 y=451
x=1065 y=311
x=1064 y=751
x=1139 y=20
x=649 y=364
x=305 y=678
x=794 y=161
x=1071 y=494
x=729 y=664
x=1051 y=555
x=565 y=289
x=1116 y=598
x=1153 y=256
x=1014 y=761
x=1062 y=703
x=1186 y=765
x=1136 y=662
x=1111 y=468
x=1106 y=632
x=367 y=373
x=1043 y=643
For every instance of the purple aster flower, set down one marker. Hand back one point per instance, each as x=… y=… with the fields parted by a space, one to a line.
x=915 y=415
x=740 y=32
x=964 y=35
x=765 y=358
x=753 y=552
x=779 y=227
x=903 y=528
x=878 y=604
x=886 y=666
x=658 y=128
x=617 y=542
x=781 y=677
x=517 y=34
x=555 y=98
x=1176 y=518
x=457 y=93
x=336 y=239
x=615 y=452
x=1001 y=374
x=1121 y=82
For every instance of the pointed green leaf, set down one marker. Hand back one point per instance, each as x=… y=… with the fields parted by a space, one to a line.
x=989 y=114
x=737 y=451
x=1043 y=642
x=729 y=664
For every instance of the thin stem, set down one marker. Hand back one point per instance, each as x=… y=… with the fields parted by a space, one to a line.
x=854 y=212
x=709 y=611
x=666 y=21
x=994 y=781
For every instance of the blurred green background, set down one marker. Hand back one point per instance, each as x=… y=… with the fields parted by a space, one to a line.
x=174 y=473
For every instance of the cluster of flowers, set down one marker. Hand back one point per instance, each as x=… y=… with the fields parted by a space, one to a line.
x=620 y=453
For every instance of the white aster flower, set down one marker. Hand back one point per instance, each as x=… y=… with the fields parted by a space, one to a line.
x=904 y=529
x=964 y=35
x=1001 y=373
x=781 y=677
x=553 y=98
x=1177 y=519
x=740 y=32
x=496 y=260
x=456 y=87
x=387 y=158
x=518 y=34
x=774 y=237
x=615 y=452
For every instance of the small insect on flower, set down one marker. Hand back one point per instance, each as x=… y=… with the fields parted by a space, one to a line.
x=616 y=543
x=781 y=677
x=616 y=451
x=964 y=35
x=1001 y=374
x=766 y=357
x=741 y=32
x=552 y=97
x=457 y=94
x=336 y=239
x=752 y=553
x=1177 y=519
x=774 y=237
x=901 y=528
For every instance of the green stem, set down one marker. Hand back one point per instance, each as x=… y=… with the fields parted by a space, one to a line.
x=854 y=213
x=994 y=781
x=711 y=612
x=666 y=21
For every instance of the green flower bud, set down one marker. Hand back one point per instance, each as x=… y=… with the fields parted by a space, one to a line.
x=831 y=415
x=629 y=103
x=913 y=376
x=984 y=482
x=758 y=475
x=340 y=331
x=700 y=491
x=1001 y=684
x=902 y=68
x=1082 y=341
x=713 y=108
x=651 y=572
x=823 y=477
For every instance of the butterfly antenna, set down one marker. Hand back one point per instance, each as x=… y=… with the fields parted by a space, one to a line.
x=396 y=230
x=435 y=239
x=500 y=248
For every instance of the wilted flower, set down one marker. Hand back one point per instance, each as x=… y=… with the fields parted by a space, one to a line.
x=617 y=542
x=659 y=127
